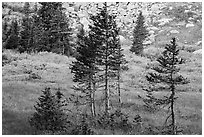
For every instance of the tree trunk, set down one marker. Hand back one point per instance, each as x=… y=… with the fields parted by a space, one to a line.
x=119 y=96
x=107 y=94
x=94 y=90
x=172 y=110
x=91 y=97
x=92 y=104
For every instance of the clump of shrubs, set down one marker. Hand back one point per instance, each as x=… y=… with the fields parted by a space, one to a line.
x=50 y=115
x=34 y=76
x=5 y=60
x=82 y=127
x=152 y=53
x=114 y=120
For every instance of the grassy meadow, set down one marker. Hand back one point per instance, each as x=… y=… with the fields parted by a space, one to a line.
x=25 y=75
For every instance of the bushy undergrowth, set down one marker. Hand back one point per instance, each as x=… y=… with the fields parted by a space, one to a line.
x=114 y=120
x=152 y=52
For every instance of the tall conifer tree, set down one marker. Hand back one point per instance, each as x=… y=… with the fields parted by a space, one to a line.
x=52 y=28
x=25 y=33
x=104 y=32
x=13 y=38
x=84 y=69
x=140 y=33
x=167 y=73
x=4 y=31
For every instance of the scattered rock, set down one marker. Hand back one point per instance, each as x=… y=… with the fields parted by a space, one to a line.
x=174 y=31
x=164 y=21
x=151 y=32
x=199 y=43
x=181 y=23
x=153 y=28
x=85 y=22
x=70 y=9
x=198 y=51
x=152 y=37
x=122 y=39
x=148 y=42
x=190 y=18
x=189 y=25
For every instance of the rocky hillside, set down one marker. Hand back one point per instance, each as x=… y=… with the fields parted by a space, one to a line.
x=163 y=19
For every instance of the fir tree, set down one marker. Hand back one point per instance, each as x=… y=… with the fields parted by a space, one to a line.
x=84 y=69
x=4 y=31
x=117 y=60
x=12 y=40
x=26 y=8
x=104 y=31
x=140 y=33
x=49 y=115
x=25 y=33
x=52 y=28
x=166 y=73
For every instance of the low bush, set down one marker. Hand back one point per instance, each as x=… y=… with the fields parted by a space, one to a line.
x=152 y=52
x=82 y=128
x=115 y=120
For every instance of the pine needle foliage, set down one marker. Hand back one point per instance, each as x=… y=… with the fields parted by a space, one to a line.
x=25 y=32
x=140 y=33
x=52 y=28
x=167 y=73
x=13 y=38
x=4 y=31
x=105 y=35
x=84 y=69
x=50 y=115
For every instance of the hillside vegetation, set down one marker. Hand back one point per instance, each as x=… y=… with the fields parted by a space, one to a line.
x=25 y=75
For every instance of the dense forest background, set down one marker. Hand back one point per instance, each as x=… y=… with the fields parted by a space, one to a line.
x=105 y=68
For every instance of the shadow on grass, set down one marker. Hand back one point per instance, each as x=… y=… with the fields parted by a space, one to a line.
x=15 y=123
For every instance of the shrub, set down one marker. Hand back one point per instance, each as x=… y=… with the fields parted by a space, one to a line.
x=115 y=120
x=5 y=60
x=152 y=52
x=82 y=128
x=49 y=115
x=34 y=76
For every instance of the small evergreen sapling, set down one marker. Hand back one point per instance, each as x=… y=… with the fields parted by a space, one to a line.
x=167 y=73
x=50 y=115
x=140 y=33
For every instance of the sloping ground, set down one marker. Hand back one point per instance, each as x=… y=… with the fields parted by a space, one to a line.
x=22 y=81
x=24 y=76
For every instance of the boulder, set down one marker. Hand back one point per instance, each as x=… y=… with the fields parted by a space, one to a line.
x=174 y=31
x=85 y=22
x=199 y=43
x=181 y=23
x=164 y=21
x=70 y=9
x=122 y=39
x=148 y=42
x=189 y=25
x=152 y=37
x=198 y=51
x=151 y=32
x=153 y=28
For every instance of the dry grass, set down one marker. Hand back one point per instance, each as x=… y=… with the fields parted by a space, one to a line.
x=20 y=91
